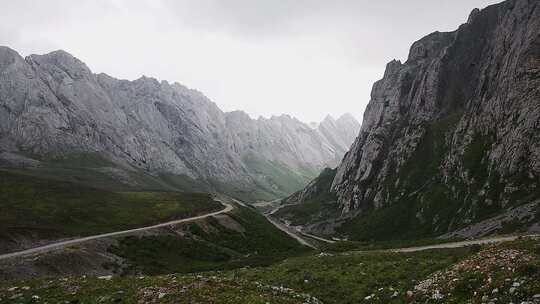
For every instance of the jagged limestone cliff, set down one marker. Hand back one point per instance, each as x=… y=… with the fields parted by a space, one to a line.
x=52 y=107
x=451 y=137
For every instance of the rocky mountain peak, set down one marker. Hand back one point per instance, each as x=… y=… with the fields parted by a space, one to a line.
x=348 y=119
x=329 y=118
x=473 y=15
x=451 y=136
x=63 y=63
x=54 y=106
x=429 y=46
x=8 y=57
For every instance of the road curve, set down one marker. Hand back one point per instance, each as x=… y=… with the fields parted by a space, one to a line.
x=309 y=235
x=63 y=244
x=288 y=231
x=297 y=235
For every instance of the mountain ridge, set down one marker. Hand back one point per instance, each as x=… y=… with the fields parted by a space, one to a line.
x=450 y=137
x=52 y=105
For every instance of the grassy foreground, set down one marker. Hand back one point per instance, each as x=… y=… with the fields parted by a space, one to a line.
x=509 y=272
x=49 y=208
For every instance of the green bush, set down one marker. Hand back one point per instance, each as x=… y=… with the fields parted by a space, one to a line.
x=529 y=270
x=470 y=282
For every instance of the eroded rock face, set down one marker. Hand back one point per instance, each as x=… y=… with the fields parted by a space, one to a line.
x=454 y=132
x=53 y=105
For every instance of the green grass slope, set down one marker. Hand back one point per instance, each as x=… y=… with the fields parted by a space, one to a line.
x=46 y=208
x=241 y=238
x=509 y=272
x=272 y=180
x=276 y=180
x=319 y=203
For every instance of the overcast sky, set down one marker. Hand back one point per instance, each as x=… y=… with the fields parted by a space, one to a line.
x=306 y=58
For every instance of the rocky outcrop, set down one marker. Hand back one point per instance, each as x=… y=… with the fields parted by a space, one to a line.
x=451 y=136
x=52 y=105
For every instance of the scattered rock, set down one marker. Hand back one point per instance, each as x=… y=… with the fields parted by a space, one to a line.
x=16 y=296
x=104 y=299
x=437 y=295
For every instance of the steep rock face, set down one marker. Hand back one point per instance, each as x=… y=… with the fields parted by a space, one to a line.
x=451 y=136
x=287 y=140
x=340 y=132
x=52 y=106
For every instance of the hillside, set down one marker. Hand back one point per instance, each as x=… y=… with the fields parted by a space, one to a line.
x=449 y=144
x=40 y=211
x=53 y=107
x=508 y=273
x=239 y=238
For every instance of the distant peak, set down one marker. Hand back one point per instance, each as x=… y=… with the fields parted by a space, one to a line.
x=59 y=56
x=348 y=116
x=60 y=53
x=147 y=81
x=8 y=56
x=146 y=78
x=7 y=50
x=238 y=114
x=281 y=116
x=64 y=61
x=329 y=117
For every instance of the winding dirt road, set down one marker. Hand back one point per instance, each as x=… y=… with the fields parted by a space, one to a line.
x=491 y=240
x=64 y=244
x=298 y=236
x=290 y=232
x=228 y=207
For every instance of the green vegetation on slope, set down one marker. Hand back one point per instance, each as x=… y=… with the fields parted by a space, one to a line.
x=351 y=276
x=50 y=208
x=157 y=289
x=420 y=202
x=320 y=204
x=95 y=170
x=241 y=238
x=509 y=272
x=276 y=178
x=505 y=273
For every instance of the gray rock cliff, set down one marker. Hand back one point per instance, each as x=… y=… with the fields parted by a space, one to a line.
x=52 y=105
x=451 y=136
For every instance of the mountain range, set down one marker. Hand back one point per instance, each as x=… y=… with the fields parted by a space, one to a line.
x=53 y=108
x=450 y=141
